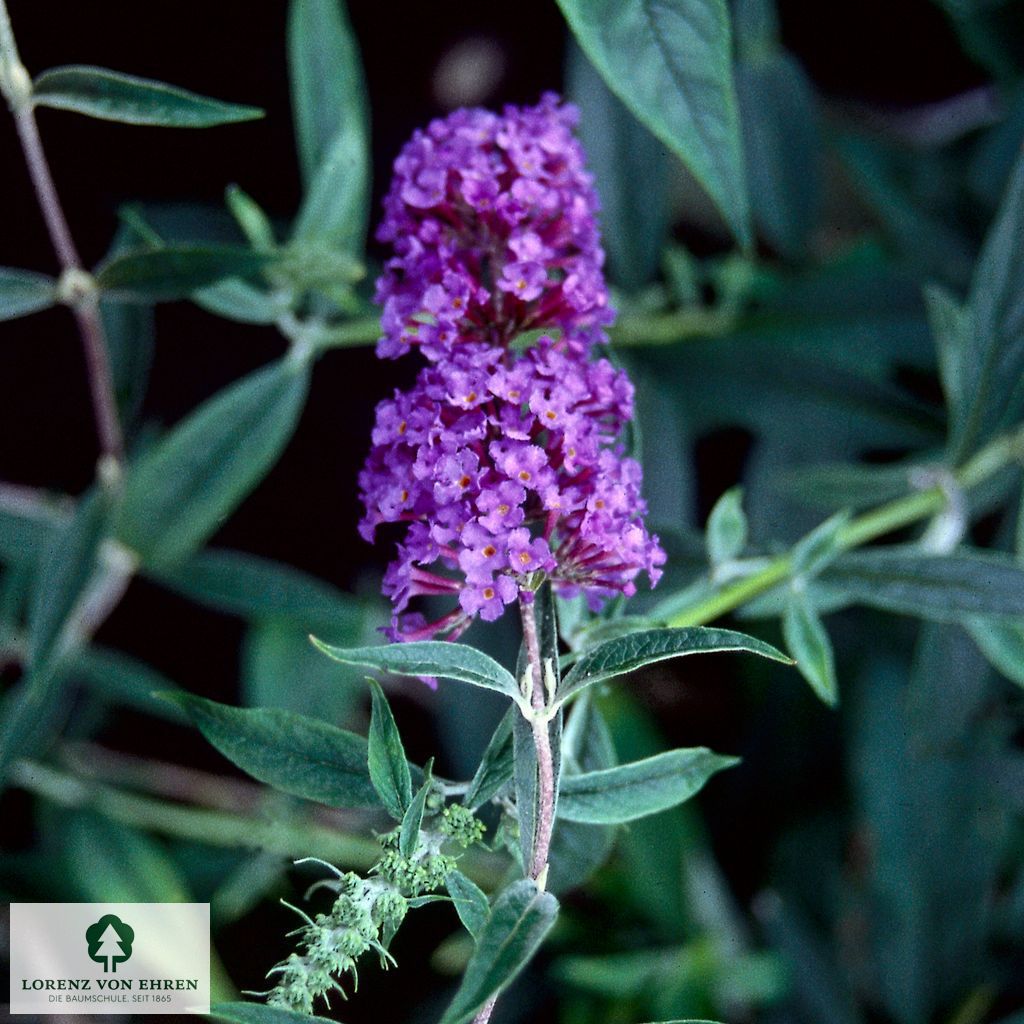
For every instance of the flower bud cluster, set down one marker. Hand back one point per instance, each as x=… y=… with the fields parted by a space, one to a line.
x=368 y=911
x=503 y=465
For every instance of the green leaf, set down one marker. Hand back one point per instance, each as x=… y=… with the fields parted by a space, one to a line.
x=991 y=392
x=939 y=587
x=1002 y=643
x=26 y=529
x=430 y=658
x=112 y=96
x=257 y=1013
x=258 y=588
x=182 y=489
x=389 y=769
x=295 y=754
x=174 y=271
x=331 y=123
x=819 y=548
x=68 y=566
x=782 y=149
x=409 y=833
x=120 y=679
x=630 y=791
x=23 y=292
x=251 y=218
x=809 y=644
x=516 y=926
x=951 y=325
x=620 y=151
x=129 y=330
x=727 y=528
x=628 y=653
x=112 y=863
x=847 y=486
x=233 y=299
x=669 y=61
x=495 y=768
x=281 y=669
x=471 y=903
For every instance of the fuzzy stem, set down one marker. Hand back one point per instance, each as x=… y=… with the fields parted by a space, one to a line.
x=894 y=515
x=542 y=742
x=81 y=296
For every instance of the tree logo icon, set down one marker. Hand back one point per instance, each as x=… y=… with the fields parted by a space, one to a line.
x=110 y=942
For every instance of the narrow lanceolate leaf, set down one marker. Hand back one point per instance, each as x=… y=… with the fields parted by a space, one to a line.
x=939 y=587
x=516 y=926
x=495 y=768
x=630 y=791
x=174 y=271
x=430 y=658
x=257 y=1013
x=409 y=832
x=670 y=63
x=726 y=534
x=295 y=754
x=182 y=489
x=112 y=96
x=258 y=588
x=471 y=903
x=389 y=769
x=331 y=124
x=234 y=299
x=23 y=292
x=821 y=546
x=1002 y=643
x=991 y=394
x=67 y=568
x=809 y=644
x=627 y=653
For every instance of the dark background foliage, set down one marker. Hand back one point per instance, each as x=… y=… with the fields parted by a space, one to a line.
x=882 y=57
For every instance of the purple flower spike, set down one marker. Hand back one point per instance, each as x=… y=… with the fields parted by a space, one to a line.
x=505 y=466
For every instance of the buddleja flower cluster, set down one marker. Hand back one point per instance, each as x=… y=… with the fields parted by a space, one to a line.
x=368 y=911
x=503 y=461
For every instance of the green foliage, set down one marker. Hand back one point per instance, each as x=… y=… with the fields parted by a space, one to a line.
x=613 y=796
x=808 y=643
x=181 y=490
x=669 y=62
x=470 y=901
x=298 y=755
x=23 y=292
x=635 y=650
x=174 y=271
x=331 y=124
x=113 y=96
x=389 y=770
x=518 y=922
x=727 y=528
x=256 y=1013
x=430 y=658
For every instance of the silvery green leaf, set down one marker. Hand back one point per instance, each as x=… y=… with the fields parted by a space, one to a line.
x=809 y=644
x=430 y=658
x=113 y=96
x=295 y=754
x=471 y=903
x=628 y=653
x=519 y=920
x=670 y=62
x=169 y=272
x=181 y=490
x=726 y=534
x=1002 y=643
x=496 y=765
x=630 y=791
x=24 y=291
x=821 y=546
x=412 y=819
x=389 y=769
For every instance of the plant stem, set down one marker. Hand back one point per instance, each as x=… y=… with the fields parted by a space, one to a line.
x=893 y=515
x=80 y=294
x=542 y=743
